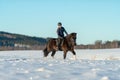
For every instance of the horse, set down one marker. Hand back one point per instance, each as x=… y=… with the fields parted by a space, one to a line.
x=68 y=44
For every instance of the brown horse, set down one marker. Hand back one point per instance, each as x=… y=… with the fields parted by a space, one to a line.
x=67 y=44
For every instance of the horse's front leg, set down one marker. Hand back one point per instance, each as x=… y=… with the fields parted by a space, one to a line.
x=74 y=54
x=64 y=55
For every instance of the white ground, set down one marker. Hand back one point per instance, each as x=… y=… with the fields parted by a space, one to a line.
x=90 y=65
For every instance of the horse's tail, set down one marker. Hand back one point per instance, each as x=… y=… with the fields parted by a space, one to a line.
x=45 y=52
x=45 y=49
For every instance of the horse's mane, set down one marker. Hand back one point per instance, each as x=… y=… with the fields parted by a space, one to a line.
x=70 y=35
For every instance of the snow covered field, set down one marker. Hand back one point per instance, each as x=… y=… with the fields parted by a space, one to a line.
x=90 y=65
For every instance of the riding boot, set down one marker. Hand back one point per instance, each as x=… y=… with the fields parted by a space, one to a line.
x=59 y=44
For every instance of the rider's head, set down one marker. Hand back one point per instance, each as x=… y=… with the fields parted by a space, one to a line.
x=59 y=24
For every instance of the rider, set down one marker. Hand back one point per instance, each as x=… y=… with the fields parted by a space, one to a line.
x=60 y=33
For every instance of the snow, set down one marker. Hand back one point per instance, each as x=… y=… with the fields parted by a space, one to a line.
x=101 y=64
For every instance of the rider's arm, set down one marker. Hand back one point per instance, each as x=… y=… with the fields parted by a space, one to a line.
x=65 y=31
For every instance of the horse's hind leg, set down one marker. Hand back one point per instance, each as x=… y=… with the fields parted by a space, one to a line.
x=53 y=53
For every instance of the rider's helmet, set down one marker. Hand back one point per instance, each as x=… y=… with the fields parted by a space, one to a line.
x=59 y=24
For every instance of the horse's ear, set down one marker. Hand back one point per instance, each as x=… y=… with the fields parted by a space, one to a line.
x=75 y=33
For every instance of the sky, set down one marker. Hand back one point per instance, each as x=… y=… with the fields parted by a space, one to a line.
x=91 y=19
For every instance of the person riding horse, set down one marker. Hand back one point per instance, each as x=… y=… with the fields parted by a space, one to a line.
x=62 y=43
x=60 y=32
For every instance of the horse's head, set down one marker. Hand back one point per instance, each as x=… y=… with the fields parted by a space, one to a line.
x=73 y=37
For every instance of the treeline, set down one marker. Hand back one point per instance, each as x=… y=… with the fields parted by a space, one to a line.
x=9 y=41
x=99 y=44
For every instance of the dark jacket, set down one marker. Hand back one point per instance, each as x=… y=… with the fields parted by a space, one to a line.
x=60 y=32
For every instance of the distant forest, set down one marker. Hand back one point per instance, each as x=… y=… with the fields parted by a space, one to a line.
x=100 y=45
x=10 y=41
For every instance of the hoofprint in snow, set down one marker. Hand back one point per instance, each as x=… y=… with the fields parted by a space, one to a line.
x=102 y=64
